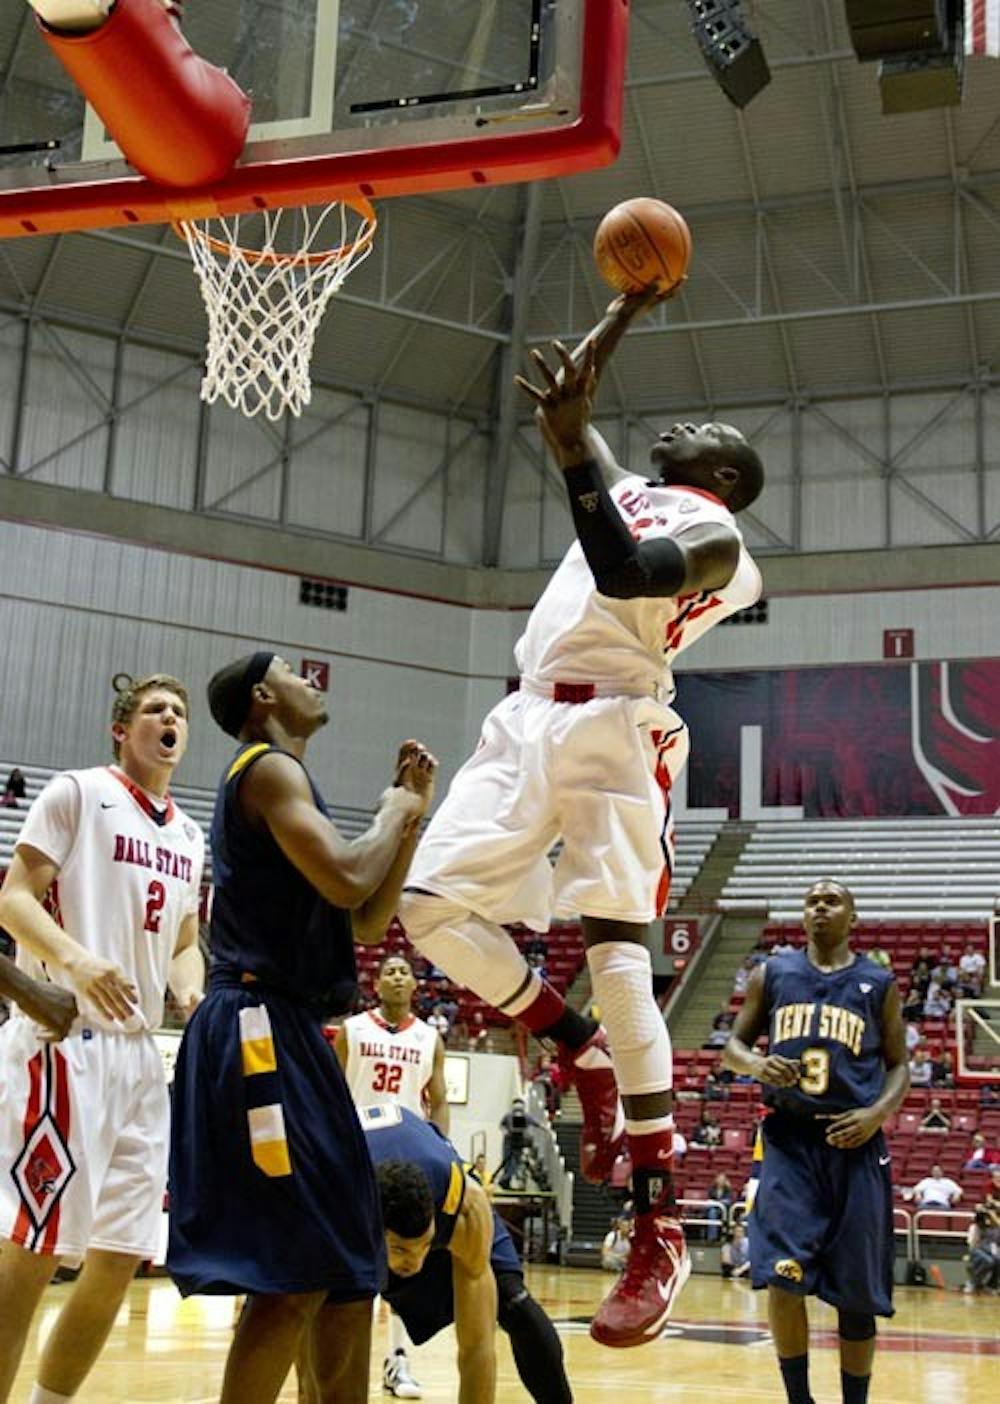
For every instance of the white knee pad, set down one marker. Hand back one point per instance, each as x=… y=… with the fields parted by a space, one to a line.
x=622 y=974
x=72 y=14
x=473 y=952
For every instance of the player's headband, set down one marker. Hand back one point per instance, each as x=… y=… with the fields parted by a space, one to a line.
x=230 y=690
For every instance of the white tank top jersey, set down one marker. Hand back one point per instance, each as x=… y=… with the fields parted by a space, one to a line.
x=129 y=873
x=575 y=634
x=387 y=1063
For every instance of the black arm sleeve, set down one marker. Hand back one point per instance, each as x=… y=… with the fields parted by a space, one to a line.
x=623 y=568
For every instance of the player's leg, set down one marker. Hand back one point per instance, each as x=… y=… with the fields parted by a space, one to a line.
x=265 y=1344
x=85 y=1321
x=640 y=1302
x=537 y=1349
x=786 y=1314
x=23 y=1278
x=333 y=1359
x=857 y=1354
x=397 y=1378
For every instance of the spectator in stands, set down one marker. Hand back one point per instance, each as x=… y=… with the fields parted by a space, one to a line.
x=983 y=1264
x=537 y=949
x=713 y=1088
x=913 y=1009
x=920 y=971
x=945 y=972
x=708 y=1132
x=438 y=1020
x=880 y=957
x=14 y=790
x=935 y=1119
x=943 y=1069
x=617 y=1244
x=720 y=1192
x=548 y=1075
x=735 y=1256
x=742 y=977
x=680 y=1146
x=914 y=1038
x=721 y=1025
x=989 y=1095
x=934 y=1191
x=938 y=1001
x=479 y=1171
x=920 y=1068
x=981 y=1156
x=971 y=971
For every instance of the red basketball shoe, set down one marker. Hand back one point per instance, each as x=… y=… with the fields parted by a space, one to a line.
x=637 y=1307
x=602 y=1136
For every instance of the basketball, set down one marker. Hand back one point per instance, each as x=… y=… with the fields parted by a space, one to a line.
x=642 y=242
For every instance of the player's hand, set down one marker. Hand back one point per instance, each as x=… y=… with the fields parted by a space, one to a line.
x=565 y=405
x=51 y=1006
x=852 y=1128
x=777 y=1071
x=104 y=985
x=415 y=771
x=190 y=1004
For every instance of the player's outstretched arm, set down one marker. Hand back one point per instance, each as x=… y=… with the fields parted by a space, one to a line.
x=739 y=1056
x=28 y=879
x=704 y=557
x=415 y=771
x=276 y=793
x=42 y=1001
x=475 y=1295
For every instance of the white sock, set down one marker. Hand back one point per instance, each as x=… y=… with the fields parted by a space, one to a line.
x=622 y=975
x=39 y=1395
x=72 y=14
x=398 y=1339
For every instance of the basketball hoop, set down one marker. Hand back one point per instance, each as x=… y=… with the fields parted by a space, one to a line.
x=264 y=305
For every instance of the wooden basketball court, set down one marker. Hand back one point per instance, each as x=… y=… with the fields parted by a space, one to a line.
x=941 y=1348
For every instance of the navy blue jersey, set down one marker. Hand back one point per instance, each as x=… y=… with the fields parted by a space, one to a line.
x=832 y=1023
x=267 y=919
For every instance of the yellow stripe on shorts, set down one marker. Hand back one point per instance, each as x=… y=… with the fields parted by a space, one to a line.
x=256 y=1041
x=267 y=1140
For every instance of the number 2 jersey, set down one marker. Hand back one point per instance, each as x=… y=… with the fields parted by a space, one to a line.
x=832 y=1023
x=129 y=873
x=389 y=1063
x=576 y=634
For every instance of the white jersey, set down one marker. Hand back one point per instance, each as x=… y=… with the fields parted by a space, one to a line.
x=129 y=873
x=575 y=634
x=389 y=1063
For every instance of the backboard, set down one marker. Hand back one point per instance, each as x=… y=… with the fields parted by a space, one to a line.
x=369 y=97
x=977 y=1041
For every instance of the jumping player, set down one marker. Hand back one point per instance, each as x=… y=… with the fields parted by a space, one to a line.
x=272 y=1190
x=835 y=1069
x=451 y=1260
x=390 y=1055
x=102 y=899
x=587 y=750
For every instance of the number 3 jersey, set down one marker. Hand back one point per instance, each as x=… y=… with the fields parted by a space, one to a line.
x=129 y=873
x=832 y=1023
x=389 y=1063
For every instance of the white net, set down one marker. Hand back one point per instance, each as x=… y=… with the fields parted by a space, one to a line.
x=264 y=305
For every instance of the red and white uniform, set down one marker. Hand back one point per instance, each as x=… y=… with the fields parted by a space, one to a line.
x=588 y=748
x=389 y=1063
x=84 y=1123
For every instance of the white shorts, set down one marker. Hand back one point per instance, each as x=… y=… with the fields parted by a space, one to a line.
x=596 y=775
x=84 y=1127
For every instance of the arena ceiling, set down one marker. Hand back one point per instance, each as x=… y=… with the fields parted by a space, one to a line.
x=838 y=253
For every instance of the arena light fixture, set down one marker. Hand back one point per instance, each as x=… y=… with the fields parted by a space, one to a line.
x=729 y=47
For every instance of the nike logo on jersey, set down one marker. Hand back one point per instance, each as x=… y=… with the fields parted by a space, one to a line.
x=884 y=1159
x=108 y=806
x=865 y=989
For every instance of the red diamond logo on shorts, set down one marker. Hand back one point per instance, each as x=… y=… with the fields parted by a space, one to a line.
x=43 y=1170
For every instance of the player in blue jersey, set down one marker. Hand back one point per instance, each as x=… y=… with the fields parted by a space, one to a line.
x=835 y=1069
x=272 y=1191
x=451 y=1260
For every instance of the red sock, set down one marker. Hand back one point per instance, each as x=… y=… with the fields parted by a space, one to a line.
x=654 y=1151
x=546 y=1009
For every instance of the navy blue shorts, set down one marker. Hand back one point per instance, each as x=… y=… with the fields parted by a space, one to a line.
x=821 y=1220
x=426 y=1302
x=271 y=1186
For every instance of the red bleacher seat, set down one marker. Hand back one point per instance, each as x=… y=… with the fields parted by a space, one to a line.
x=734 y=1138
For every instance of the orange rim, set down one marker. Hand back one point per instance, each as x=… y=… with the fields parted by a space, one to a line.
x=358 y=204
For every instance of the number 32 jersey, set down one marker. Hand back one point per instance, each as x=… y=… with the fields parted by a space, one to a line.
x=831 y=1021
x=129 y=873
x=389 y=1063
